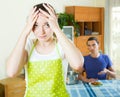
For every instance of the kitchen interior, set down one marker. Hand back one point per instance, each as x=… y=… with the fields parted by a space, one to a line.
x=99 y=18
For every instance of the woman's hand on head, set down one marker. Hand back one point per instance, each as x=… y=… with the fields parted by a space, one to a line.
x=51 y=17
x=31 y=19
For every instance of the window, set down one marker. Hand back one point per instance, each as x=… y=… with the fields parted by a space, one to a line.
x=69 y=32
x=112 y=33
x=115 y=38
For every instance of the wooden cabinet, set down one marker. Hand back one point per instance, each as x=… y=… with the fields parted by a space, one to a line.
x=91 y=22
x=13 y=87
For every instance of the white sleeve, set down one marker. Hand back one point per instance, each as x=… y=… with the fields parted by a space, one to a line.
x=28 y=46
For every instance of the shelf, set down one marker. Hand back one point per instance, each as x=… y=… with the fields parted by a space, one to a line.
x=87 y=28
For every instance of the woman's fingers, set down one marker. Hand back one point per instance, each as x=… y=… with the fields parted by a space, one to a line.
x=50 y=10
x=35 y=18
x=35 y=14
x=33 y=10
x=44 y=13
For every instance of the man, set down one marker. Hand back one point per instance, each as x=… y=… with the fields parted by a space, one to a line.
x=96 y=65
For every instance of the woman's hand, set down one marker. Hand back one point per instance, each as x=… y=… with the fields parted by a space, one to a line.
x=31 y=20
x=51 y=17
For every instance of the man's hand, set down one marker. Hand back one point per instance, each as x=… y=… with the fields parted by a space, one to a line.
x=103 y=72
x=91 y=80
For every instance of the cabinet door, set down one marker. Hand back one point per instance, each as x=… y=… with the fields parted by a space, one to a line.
x=13 y=87
x=19 y=92
x=81 y=43
x=87 y=13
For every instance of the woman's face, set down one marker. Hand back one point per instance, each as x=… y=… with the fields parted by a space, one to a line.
x=42 y=30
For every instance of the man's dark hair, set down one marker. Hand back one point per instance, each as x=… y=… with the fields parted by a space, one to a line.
x=92 y=38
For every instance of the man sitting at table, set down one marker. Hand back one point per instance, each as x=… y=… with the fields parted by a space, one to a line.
x=96 y=65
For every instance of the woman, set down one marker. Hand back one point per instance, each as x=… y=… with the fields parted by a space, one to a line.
x=46 y=56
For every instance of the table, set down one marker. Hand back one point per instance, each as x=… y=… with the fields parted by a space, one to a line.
x=109 y=88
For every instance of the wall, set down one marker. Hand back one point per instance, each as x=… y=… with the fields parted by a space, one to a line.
x=13 y=17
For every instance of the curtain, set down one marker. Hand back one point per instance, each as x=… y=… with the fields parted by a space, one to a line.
x=112 y=32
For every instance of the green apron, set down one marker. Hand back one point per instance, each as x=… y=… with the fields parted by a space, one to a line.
x=45 y=78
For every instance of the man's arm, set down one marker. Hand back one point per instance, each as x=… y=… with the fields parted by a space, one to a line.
x=82 y=76
x=110 y=72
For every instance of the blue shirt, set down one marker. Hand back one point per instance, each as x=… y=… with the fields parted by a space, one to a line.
x=94 y=65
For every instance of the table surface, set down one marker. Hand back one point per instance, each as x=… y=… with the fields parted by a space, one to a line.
x=109 y=88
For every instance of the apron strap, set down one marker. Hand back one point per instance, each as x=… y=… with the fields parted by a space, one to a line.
x=57 y=49
x=32 y=48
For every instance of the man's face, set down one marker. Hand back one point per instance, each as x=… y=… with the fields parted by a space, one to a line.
x=93 y=46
